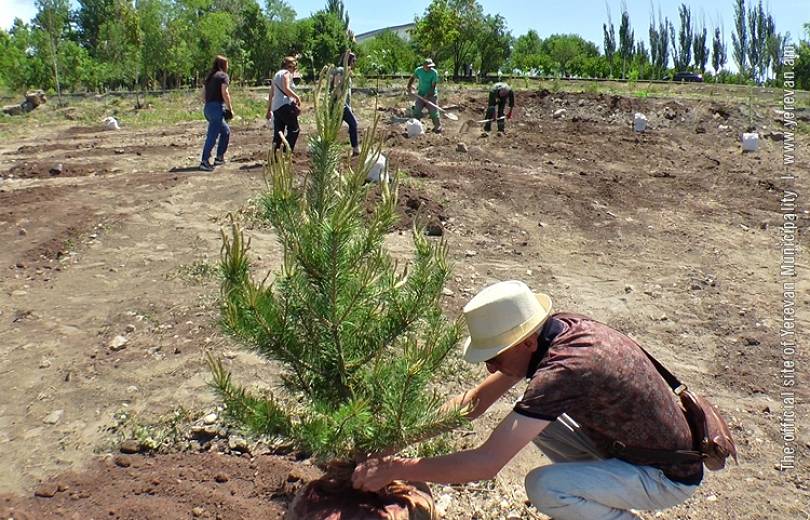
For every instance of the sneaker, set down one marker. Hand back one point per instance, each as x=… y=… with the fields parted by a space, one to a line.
x=438 y=130
x=355 y=152
x=204 y=166
x=219 y=161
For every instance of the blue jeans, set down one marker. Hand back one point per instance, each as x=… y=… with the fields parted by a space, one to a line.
x=217 y=127
x=348 y=116
x=579 y=486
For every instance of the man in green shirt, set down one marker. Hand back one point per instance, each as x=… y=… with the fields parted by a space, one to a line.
x=498 y=96
x=428 y=80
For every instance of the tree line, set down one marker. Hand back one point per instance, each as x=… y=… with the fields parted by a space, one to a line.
x=131 y=44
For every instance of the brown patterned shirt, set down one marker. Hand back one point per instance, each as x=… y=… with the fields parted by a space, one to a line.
x=603 y=380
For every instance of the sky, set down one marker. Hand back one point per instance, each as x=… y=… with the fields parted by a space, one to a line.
x=584 y=17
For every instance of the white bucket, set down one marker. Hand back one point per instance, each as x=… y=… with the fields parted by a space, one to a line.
x=414 y=127
x=750 y=142
x=639 y=122
x=379 y=170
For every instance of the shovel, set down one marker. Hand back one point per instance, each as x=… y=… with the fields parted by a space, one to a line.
x=467 y=124
x=449 y=115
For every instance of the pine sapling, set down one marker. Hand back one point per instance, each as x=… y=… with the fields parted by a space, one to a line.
x=359 y=337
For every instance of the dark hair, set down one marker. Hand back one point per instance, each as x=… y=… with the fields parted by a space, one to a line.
x=220 y=65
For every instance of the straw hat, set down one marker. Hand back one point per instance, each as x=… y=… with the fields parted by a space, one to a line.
x=501 y=316
x=429 y=63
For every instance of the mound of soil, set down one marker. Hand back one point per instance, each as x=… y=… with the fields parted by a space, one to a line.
x=412 y=204
x=166 y=487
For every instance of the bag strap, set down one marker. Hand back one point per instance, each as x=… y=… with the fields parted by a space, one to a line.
x=674 y=383
x=661 y=456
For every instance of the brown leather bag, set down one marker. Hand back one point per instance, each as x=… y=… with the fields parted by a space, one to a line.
x=712 y=439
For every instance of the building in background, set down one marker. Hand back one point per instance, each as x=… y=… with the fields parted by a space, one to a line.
x=403 y=31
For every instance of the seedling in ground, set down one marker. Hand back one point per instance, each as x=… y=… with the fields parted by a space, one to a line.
x=360 y=337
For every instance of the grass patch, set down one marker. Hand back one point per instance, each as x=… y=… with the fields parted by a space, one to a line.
x=163 y=434
x=198 y=272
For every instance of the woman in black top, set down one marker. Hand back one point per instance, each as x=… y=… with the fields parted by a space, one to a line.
x=217 y=102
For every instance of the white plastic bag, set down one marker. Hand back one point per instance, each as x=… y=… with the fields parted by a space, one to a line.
x=379 y=169
x=110 y=123
x=639 y=122
x=414 y=127
x=750 y=142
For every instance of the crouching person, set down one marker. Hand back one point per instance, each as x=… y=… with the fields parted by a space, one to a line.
x=591 y=390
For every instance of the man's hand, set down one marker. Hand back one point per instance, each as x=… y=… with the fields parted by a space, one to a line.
x=509 y=114
x=374 y=474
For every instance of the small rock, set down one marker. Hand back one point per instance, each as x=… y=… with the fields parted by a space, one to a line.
x=751 y=342
x=442 y=504
x=22 y=232
x=628 y=288
x=560 y=112
x=209 y=419
x=514 y=515
x=238 y=444
x=700 y=130
x=711 y=498
x=132 y=389
x=722 y=127
x=118 y=343
x=130 y=446
x=54 y=417
x=44 y=363
x=46 y=490
x=129 y=329
x=581 y=103
x=229 y=354
x=447 y=292
x=56 y=169
x=121 y=461
x=696 y=287
x=470 y=253
x=221 y=478
x=19 y=293
x=461 y=147
x=434 y=230
x=197 y=512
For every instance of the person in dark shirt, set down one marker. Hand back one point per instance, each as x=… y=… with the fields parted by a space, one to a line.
x=498 y=96
x=217 y=99
x=590 y=387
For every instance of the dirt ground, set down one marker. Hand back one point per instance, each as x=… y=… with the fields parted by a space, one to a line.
x=109 y=291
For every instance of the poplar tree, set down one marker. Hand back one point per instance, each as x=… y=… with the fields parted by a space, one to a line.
x=719 y=54
x=609 y=40
x=700 y=49
x=739 y=38
x=626 y=40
